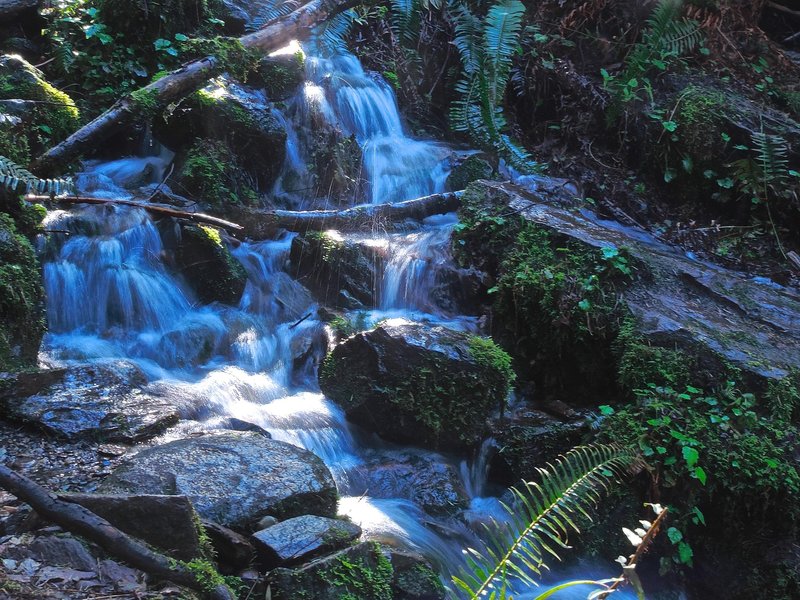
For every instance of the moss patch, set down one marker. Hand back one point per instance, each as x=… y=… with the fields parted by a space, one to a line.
x=213 y=273
x=211 y=173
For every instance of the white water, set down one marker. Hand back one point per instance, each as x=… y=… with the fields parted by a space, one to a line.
x=113 y=294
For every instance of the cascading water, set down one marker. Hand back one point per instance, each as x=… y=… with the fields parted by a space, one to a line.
x=114 y=296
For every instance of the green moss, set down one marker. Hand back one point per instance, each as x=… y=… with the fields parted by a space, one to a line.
x=209 y=578
x=211 y=173
x=21 y=307
x=213 y=273
x=355 y=580
x=146 y=100
x=495 y=361
x=237 y=60
x=420 y=582
x=475 y=167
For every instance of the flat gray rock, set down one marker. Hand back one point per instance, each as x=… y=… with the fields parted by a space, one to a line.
x=232 y=478
x=297 y=540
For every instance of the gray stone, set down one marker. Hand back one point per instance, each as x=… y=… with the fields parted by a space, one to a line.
x=103 y=402
x=425 y=479
x=231 y=478
x=62 y=551
x=233 y=550
x=166 y=522
x=414 y=578
x=297 y=540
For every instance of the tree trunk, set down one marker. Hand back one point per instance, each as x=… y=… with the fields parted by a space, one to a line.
x=77 y=519
x=189 y=78
x=10 y=8
x=262 y=224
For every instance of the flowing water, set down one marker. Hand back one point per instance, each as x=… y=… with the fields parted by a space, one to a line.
x=115 y=297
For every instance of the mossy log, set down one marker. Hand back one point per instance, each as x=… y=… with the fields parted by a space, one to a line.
x=183 y=81
x=75 y=518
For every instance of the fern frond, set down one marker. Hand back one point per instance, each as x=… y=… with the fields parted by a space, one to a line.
x=544 y=512
x=405 y=19
x=16 y=179
x=501 y=38
x=772 y=158
x=332 y=34
x=275 y=11
x=467 y=39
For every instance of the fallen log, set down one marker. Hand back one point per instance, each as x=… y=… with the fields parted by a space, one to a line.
x=157 y=209
x=10 y=8
x=262 y=224
x=77 y=519
x=185 y=80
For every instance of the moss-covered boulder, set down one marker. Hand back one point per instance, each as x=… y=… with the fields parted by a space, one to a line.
x=412 y=383
x=468 y=169
x=235 y=116
x=362 y=572
x=36 y=114
x=414 y=578
x=22 y=322
x=208 y=266
x=340 y=272
x=281 y=75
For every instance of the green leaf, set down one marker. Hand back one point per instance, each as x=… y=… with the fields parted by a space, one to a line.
x=685 y=553
x=180 y=37
x=700 y=474
x=606 y=410
x=674 y=535
x=610 y=252
x=585 y=305
x=690 y=455
x=698 y=516
x=669 y=125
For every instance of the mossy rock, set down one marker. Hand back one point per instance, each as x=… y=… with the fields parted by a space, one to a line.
x=43 y=114
x=211 y=172
x=472 y=168
x=362 y=572
x=410 y=383
x=280 y=75
x=22 y=317
x=233 y=116
x=207 y=264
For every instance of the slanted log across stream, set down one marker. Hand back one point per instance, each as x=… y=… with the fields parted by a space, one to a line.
x=182 y=82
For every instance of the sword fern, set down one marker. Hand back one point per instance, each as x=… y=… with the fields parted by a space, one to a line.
x=543 y=514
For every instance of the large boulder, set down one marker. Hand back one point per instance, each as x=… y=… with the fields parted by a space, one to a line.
x=300 y=539
x=412 y=383
x=340 y=272
x=232 y=478
x=209 y=267
x=414 y=579
x=281 y=75
x=104 y=402
x=362 y=571
x=657 y=313
x=427 y=480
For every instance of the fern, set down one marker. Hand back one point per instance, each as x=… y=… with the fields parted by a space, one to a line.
x=16 y=179
x=487 y=48
x=544 y=514
x=332 y=34
x=275 y=11
x=772 y=158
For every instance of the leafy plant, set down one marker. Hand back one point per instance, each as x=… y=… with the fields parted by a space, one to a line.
x=544 y=512
x=15 y=178
x=487 y=48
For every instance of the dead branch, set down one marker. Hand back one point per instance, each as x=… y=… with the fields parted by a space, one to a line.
x=77 y=519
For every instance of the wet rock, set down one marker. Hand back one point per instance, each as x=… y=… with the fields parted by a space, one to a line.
x=427 y=480
x=298 y=540
x=100 y=401
x=528 y=438
x=414 y=578
x=29 y=383
x=362 y=571
x=211 y=270
x=340 y=272
x=715 y=318
x=235 y=424
x=166 y=522
x=233 y=551
x=412 y=383
x=231 y=478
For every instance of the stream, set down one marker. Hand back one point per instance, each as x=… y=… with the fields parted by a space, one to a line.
x=114 y=299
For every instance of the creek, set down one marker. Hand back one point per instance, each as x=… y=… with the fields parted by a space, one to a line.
x=114 y=298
